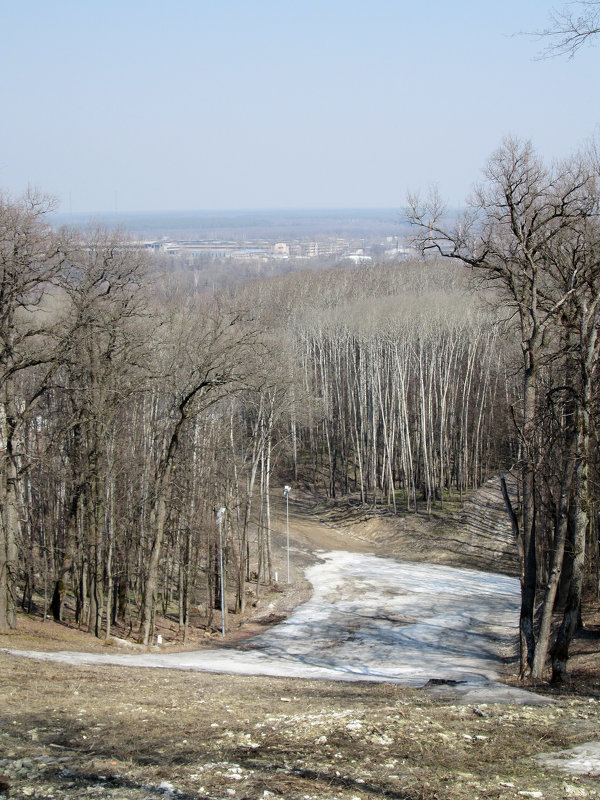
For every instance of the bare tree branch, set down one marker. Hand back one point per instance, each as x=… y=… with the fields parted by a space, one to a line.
x=571 y=27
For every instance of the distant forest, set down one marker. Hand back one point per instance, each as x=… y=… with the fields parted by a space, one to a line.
x=239 y=225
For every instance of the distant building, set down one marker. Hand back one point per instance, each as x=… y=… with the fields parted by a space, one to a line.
x=358 y=258
x=281 y=250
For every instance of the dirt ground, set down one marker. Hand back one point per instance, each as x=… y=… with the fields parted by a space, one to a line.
x=113 y=732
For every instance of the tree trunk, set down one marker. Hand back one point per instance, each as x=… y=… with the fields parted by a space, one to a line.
x=9 y=517
x=558 y=550
x=529 y=574
x=158 y=519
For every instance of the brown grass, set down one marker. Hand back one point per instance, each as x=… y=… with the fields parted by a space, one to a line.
x=122 y=731
x=291 y=738
x=294 y=739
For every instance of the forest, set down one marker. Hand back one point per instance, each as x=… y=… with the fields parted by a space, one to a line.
x=135 y=403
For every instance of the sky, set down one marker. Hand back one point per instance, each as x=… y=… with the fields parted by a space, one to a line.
x=148 y=105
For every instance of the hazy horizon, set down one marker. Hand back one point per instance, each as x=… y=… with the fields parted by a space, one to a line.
x=141 y=107
x=245 y=223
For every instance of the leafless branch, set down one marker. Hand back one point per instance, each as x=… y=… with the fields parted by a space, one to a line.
x=571 y=27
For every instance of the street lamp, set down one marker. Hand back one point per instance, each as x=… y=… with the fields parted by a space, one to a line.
x=220 y=516
x=286 y=494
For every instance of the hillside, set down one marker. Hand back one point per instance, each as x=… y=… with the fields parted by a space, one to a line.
x=126 y=734
x=476 y=534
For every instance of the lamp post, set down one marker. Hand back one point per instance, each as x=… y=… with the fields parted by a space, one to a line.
x=286 y=494
x=220 y=515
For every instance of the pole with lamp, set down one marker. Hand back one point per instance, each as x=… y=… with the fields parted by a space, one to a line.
x=286 y=494
x=220 y=517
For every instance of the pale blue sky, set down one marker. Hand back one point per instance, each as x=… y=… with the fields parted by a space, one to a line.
x=198 y=104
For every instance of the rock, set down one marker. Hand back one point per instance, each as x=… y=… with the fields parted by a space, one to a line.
x=574 y=791
x=584 y=759
x=114 y=641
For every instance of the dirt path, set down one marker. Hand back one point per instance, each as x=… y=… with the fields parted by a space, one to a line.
x=477 y=536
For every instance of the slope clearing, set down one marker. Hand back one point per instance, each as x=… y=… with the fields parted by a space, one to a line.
x=126 y=734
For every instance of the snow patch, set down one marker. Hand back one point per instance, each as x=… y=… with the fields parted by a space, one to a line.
x=369 y=618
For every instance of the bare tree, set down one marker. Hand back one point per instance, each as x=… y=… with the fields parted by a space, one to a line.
x=31 y=258
x=580 y=264
x=571 y=27
x=202 y=355
x=517 y=217
x=103 y=289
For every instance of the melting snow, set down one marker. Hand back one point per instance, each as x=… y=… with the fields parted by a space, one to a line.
x=369 y=618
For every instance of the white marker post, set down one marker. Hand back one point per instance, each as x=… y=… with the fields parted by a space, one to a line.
x=220 y=515
x=286 y=494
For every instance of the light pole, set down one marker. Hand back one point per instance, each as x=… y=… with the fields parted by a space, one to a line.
x=286 y=494
x=220 y=515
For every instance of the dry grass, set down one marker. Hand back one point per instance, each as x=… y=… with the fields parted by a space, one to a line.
x=221 y=736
